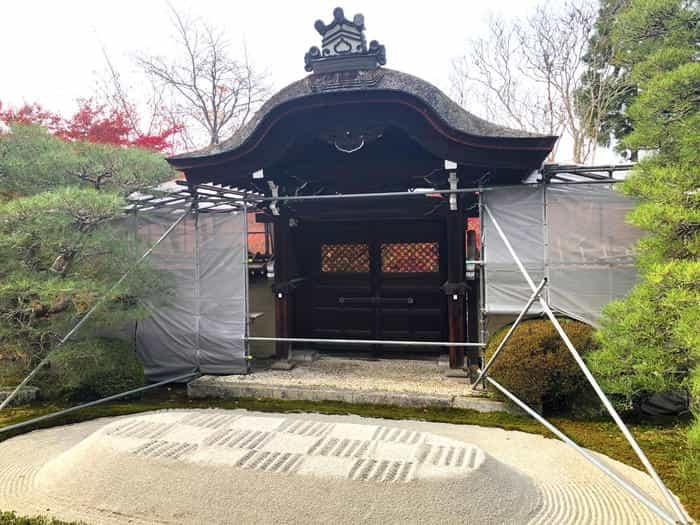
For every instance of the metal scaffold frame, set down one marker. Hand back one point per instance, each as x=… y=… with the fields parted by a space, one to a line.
x=483 y=375
x=537 y=296
x=224 y=199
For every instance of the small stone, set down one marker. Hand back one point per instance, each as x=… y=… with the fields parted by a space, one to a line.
x=283 y=365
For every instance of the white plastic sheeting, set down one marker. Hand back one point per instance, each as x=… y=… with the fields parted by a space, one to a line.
x=201 y=323
x=520 y=214
x=574 y=234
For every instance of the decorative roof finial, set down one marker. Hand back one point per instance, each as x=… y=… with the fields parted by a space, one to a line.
x=344 y=47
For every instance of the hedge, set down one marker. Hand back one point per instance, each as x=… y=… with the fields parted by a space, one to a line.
x=537 y=367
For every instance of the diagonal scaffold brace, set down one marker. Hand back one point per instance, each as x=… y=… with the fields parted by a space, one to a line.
x=93 y=309
x=126 y=393
x=535 y=295
x=681 y=518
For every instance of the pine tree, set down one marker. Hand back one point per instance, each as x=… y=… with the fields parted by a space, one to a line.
x=62 y=241
x=617 y=49
x=604 y=71
x=651 y=339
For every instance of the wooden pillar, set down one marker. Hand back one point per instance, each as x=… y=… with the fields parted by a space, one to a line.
x=455 y=287
x=281 y=287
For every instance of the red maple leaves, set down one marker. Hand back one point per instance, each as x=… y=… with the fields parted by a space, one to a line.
x=31 y=114
x=94 y=123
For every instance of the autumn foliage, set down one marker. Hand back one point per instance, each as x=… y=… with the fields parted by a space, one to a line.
x=95 y=123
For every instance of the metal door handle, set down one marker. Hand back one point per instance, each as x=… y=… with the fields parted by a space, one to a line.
x=376 y=300
x=357 y=300
x=396 y=300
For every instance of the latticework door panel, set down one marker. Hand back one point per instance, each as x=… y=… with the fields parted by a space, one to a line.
x=344 y=258
x=410 y=257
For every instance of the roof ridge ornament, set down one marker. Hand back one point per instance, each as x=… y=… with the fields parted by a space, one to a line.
x=343 y=46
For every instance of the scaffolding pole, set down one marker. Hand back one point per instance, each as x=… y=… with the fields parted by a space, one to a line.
x=482 y=277
x=247 y=326
x=360 y=341
x=670 y=499
x=631 y=489
x=66 y=411
x=408 y=193
x=92 y=310
x=535 y=295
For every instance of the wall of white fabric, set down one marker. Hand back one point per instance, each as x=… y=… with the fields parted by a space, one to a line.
x=574 y=234
x=201 y=323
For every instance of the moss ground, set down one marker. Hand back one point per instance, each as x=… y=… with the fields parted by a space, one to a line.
x=664 y=441
x=10 y=518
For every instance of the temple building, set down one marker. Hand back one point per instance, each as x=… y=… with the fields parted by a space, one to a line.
x=389 y=266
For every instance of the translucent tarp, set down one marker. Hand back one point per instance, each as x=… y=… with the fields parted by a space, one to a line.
x=575 y=234
x=201 y=323
x=520 y=214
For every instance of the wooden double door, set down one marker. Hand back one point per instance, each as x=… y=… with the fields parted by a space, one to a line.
x=377 y=280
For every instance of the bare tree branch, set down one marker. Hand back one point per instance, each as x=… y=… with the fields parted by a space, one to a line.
x=528 y=75
x=491 y=79
x=208 y=85
x=146 y=115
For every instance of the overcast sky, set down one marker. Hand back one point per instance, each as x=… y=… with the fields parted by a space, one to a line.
x=51 y=51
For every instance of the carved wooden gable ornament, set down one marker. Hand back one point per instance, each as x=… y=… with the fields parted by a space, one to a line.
x=343 y=47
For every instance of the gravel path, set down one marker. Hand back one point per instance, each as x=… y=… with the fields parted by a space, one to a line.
x=392 y=375
x=219 y=466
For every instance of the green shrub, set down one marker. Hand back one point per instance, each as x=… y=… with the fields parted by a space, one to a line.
x=63 y=245
x=91 y=369
x=537 y=367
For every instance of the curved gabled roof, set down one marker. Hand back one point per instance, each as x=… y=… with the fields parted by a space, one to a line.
x=454 y=119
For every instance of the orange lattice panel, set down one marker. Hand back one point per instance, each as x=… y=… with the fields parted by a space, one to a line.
x=413 y=257
x=344 y=258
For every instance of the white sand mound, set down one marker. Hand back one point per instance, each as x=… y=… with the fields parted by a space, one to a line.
x=235 y=468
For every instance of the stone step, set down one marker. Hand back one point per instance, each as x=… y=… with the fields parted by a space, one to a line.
x=214 y=387
x=26 y=395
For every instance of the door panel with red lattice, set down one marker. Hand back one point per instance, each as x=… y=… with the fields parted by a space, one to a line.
x=371 y=280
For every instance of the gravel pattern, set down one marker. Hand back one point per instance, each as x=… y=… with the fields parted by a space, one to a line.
x=72 y=473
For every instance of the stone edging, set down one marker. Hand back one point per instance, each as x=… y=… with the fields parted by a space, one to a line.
x=27 y=394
